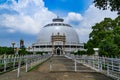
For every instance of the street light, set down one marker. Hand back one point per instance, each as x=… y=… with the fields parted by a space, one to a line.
x=13 y=44
x=17 y=50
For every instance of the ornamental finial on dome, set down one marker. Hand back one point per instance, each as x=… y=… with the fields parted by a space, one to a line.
x=58 y=19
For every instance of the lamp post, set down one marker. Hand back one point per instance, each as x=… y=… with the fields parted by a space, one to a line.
x=13 y=44
x=33 y=50
x=17 y=50
x=29 y=49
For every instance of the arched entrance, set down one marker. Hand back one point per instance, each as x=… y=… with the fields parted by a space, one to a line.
x=58 y=49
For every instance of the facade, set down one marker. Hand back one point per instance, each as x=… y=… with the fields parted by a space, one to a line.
x=57 y=38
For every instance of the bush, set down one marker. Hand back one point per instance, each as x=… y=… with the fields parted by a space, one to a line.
x=7 y=50
x=81 y=52
x=72 y=52
x=41 y=52
x=90 y=51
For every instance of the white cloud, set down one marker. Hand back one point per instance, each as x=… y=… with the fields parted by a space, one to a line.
x=11 y=30
x=84 y=23
x=73 y=17
x=32 y=16
x=93 y=15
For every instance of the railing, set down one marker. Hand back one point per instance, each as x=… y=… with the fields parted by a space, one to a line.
x=113 y=67
x=10 y=62
x=108 y=66
x=13 y=62
x=32 y=60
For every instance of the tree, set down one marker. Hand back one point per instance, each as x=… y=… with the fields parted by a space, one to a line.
x=89 y=44
x=73 y=53
x=6 y=50
x=90 y=51
x=108 y=48
x=106 y=36
x=22 y=52
x=100 y=31
x=9 y=50
x=41 y=52
x=116 y=33
x=113 y=5
x=81 y=52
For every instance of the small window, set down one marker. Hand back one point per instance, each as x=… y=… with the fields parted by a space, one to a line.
x=37 y=46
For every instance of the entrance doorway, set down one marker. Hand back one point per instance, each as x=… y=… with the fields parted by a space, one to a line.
x=58 y=51
x=56 y=39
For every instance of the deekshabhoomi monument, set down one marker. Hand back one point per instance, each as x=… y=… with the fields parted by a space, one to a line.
x=57 y=38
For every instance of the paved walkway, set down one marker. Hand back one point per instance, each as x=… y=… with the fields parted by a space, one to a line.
x=61 y=63
x=43 y=73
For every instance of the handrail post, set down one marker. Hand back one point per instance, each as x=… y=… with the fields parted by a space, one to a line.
x=75 y=65
x=26 y=64
x=50 y=65
x=108 y=68
x=14 y=61
x=5 y=63
x=19 y=63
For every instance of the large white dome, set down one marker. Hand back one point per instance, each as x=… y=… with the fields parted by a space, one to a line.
x=57 y=27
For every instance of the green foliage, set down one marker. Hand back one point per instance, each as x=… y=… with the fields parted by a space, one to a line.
x=90 y=51
x=100 y=31
x=113 y=5
x=108 y=48
x=42 y=52
x=89 y=44
x=75 y=53
x=9 y=51
x=72 y=52
x=6 y=50
x=39 y=53
x=79 y=52
x=24 y=52
x=106 y=36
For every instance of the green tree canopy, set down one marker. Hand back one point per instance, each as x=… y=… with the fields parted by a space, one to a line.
x=100 y=31
x=113 y=5
x=90 y=51
x=106 y=36
x=81 y=52
x=108 y=48
x=6 y=50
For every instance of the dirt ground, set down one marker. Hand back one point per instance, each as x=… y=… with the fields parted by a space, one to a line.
x=43 y=73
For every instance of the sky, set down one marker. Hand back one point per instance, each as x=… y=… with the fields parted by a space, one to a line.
x=23 y=19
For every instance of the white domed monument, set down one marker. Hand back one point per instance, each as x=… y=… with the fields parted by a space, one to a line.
x=57 y=38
